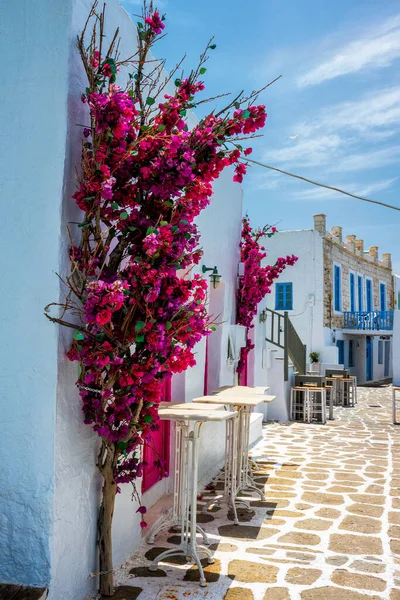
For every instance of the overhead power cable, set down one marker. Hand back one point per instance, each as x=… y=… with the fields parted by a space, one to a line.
x=328 y=187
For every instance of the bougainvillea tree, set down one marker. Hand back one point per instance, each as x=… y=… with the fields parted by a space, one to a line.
x=136 y=308
x=256 y=281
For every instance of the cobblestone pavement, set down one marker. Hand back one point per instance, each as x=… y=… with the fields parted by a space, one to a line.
x=329 y=528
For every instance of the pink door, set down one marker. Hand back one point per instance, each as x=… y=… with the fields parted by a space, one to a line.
x=158 y=448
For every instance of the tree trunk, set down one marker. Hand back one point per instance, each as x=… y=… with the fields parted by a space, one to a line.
x=106 y=513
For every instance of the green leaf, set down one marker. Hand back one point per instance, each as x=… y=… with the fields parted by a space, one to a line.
x=161 y=128
x=108 y=367
x=183 y=112
x=122 y=445
x=140 y=24
x=131 y=93
x=123 y=215
x=163 y=223
x=115 y=206
x=187 y=235
x=237 y=104
x=136 y=76
x=184 y=221
x=139 y=339
x=148 y=419
x=142 y=35
x=79 y=347
x=174 y=228
x=202 y=71
x=78 y=335
x=139 y=326
x=246 y=114
x=178 y=82
x=213 y=46
x=150 y=100
x=168 y=325
x=213 y=328
x=168 y=203
x=131 y=228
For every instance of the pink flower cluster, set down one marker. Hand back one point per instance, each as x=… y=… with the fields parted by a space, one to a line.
x=141 y=190
x=256 y=282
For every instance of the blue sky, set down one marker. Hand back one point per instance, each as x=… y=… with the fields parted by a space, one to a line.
x=334 y=116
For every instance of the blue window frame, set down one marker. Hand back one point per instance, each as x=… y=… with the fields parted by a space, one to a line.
x=337 y=286
x=368 y=289
x=360 y=293
x=351 y=353
x=352 y=292
x=382 y=293
x=380 y=352
x=340 y=345
x=284 y=296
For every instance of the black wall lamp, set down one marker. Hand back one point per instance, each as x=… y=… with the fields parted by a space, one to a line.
x=263 y=316
x=215 y=277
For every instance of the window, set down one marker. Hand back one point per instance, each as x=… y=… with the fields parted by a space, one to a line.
x=380 y=352
x=352 y=282
x=337 y=287
x=284 y=296
x=360 y=293
x=368 y=289
x=382 y=294
x=351 y=353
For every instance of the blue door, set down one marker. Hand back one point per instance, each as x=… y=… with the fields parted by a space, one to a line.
x=387 y=359
x=369 y=359
x=340 y=345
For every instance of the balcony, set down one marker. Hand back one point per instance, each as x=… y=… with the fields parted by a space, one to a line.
x=369 y=321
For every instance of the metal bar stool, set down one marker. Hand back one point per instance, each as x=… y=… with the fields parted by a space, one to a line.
x=299 y=404
x=395 y=399
x=348 y=391
x=317 y=404
x=330 y=398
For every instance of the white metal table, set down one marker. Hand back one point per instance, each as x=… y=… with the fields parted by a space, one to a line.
x=189 y=422
x=242 y=400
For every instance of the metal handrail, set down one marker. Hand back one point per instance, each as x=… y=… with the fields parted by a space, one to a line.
x=373 y=320
x=280 y=326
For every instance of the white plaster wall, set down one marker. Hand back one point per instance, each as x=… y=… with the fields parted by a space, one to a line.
x=34 y=45
x=307 y=278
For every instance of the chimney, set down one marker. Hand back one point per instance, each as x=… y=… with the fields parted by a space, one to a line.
x=387 y=260
x=360 y=247
x=374 y=252
x=320 y=223
x=336 y=231
x=351 y=241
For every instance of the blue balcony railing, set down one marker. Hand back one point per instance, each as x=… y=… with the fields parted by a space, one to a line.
x=373 y=320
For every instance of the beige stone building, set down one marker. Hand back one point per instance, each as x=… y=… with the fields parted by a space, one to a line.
x=339 y=297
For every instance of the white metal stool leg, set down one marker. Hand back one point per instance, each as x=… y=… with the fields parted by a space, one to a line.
x=188 y=546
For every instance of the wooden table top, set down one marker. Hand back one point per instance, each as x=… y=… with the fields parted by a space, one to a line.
x=184 y=414
x=235 y=399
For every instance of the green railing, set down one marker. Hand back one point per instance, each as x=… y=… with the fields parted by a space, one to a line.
x=281 y=333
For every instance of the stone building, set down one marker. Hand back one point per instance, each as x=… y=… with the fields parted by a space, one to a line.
x=339 y=297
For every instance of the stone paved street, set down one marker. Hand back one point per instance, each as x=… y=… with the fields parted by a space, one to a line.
x=329 y=528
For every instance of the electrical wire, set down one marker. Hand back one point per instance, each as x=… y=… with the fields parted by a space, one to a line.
x=328 y=187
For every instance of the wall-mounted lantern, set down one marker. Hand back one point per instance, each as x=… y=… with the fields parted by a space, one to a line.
x=215 y=277
x=263 y=316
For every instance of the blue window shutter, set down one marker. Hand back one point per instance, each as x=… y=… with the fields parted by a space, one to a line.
x=352 y=293
x=360 y=294
x=288 y=296
x=369 y=294
x=337 y=289
x=284 y=296
x=383 y=296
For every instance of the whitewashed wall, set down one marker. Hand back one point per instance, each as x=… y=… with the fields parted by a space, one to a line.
x=307 y=278
x=34 y=46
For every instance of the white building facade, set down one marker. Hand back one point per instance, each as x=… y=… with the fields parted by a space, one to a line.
x=339 y=298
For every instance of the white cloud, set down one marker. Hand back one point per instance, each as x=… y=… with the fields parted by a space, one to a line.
x=316 y=193
x=377 y=48
x=311 y=151
x=367 y=160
